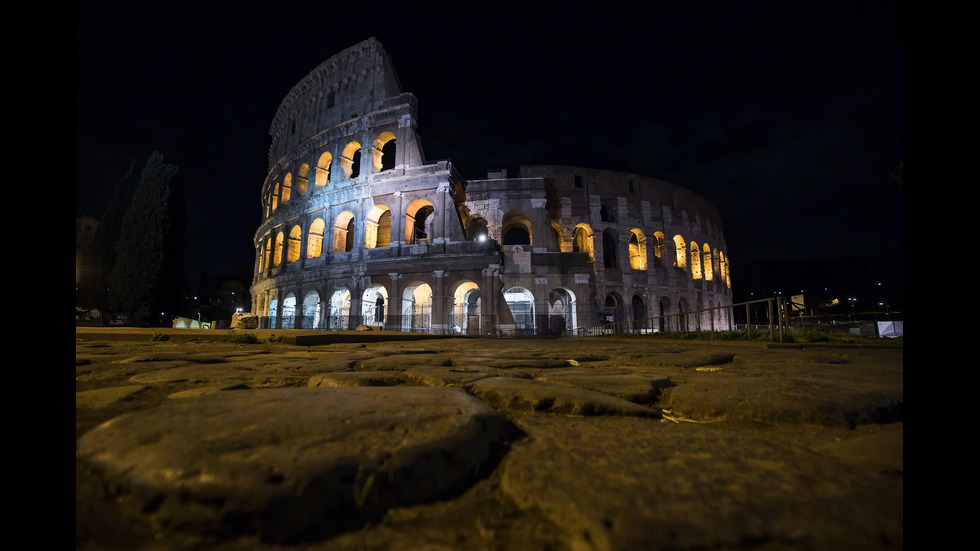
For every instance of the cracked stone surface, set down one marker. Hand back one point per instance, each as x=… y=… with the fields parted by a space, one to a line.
x=579 y=444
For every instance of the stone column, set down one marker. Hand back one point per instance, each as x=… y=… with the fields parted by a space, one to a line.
x=440 y=223
x=542 y=306
x=403 y=141
x=439 y=312
x=394 y=320
x=398 y=220
x=490 y=299
x=304 y=237
x=540 y=225
x=356 y=314
x=298 y=316
x=279 y=297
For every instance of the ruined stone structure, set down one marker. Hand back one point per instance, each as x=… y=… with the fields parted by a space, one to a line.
x=359 y=229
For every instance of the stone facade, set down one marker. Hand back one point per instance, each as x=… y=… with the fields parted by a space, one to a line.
x=358 y=228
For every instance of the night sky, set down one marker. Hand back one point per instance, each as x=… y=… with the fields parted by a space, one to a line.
x=788 y=116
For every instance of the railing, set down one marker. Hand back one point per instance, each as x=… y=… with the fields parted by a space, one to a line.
x=768 y=314
x=719 y=319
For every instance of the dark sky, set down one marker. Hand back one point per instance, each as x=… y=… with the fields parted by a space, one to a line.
x=788 y=116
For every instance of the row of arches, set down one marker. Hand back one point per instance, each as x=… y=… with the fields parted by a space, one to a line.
x=281 y=246
x=702 y=261
x=296 y=183
x=416 y=311
x=465 y=314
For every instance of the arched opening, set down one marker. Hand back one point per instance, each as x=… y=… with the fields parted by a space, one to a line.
x=277 y=252
x=662 y=315
x=638 y=250
x=273 y=312
x=562 y=305
x=418 y=222
x=640 y=322
x=520 y=301
x=417 y=308
x=311 y=310
x=607 y=214
x=267 y=203
x=289 y=311
x=266 y=253
x=323 y=169
x=725 y=269
x=609 y=256
x=350 y=160
x=682 y=313
x=374 y=306
x=680 y=253
x=355 y=169
x=340 y=309
x=343 y=232
x=556 y=236
x=314 y=244
x=659 y=248
x=378 y=227
x=695 y=261
x=384 y=152
x=274 y=200
x=517 y=236
x=388 y=155
x=295 y=242
x=476 y=228
x=287 y=186
x=302 y=182
x=516 y=228
x=612 y=310
x=709 y=272
x=466 y=316
x=582 y=240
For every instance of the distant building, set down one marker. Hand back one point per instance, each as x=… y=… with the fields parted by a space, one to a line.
x=359 y=229
x=85 y=227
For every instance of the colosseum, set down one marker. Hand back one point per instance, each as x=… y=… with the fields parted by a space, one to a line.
x=358 y=228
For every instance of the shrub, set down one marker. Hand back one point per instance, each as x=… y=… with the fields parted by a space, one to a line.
x=243 y=338
x=160 y=337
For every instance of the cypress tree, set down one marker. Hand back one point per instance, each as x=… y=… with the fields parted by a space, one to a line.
x=147 y=274
x=105 y=238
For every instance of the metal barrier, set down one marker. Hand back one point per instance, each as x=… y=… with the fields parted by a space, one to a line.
x=692 y=321
x=772 y=317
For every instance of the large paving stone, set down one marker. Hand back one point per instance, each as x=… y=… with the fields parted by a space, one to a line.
x=628 y=483
x=511 y=395
x=640 y=389
x=293 y=464
x=357 y=378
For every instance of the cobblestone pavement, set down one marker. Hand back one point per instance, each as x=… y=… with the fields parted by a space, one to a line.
x=368 y=441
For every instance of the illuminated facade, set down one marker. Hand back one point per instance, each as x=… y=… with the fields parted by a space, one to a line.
x=359 y=229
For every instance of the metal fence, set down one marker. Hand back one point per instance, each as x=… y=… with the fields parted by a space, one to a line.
x=760 y=315
x=754 y=316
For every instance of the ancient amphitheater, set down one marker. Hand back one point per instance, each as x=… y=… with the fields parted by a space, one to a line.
x=358 y=228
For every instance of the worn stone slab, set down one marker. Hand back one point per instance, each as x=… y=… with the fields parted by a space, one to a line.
x=357 y=378
x=293 y=464
x=824 y=395
x=223 y=375
x=403 y=360
x=104 y=397
x=639 y=389
x=628 y=483
x=454 y=375
x=508 y=394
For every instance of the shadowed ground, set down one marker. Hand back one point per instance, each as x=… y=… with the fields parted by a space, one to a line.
x=590 y=443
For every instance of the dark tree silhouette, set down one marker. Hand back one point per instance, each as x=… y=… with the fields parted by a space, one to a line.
x=145 y=283
x=93 y=289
